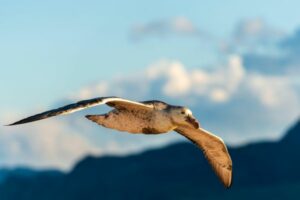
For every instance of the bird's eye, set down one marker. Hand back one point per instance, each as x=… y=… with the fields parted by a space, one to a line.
x=182 y=112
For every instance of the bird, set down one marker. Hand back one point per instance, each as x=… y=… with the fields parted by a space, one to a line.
x=152 y=117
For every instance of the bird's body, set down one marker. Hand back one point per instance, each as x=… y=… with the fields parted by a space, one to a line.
x=135 y=121
x=147 y=121
x=152 y=117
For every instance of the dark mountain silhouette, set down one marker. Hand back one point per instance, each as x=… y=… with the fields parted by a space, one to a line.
x=24 y=172
x=261 y=170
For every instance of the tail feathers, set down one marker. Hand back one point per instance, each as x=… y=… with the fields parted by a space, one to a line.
x=92 y=117
x=99 y=119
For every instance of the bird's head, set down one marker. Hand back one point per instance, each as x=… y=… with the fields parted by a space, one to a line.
x=184 y=117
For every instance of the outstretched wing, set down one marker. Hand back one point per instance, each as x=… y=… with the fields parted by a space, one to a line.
x=214 y=150
x=116 y=102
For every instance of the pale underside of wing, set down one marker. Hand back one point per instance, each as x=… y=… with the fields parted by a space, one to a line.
x=214 y=150
x=115 y=102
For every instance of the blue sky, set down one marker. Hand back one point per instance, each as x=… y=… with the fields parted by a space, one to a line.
x=56 y=51
x=54 y=47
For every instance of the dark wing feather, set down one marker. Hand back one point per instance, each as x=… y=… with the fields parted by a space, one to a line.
x=116 y=102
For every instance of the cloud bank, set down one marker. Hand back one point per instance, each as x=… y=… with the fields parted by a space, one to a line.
x=49 y=144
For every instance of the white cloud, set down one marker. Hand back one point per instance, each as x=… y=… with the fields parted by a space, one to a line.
x=256 y=29
x=219 y=95
x=87 y=92
x=182 y=24
x=273 y=91
x=177 y=25
x=253 y=35
x=47 y=144
x=178 y=81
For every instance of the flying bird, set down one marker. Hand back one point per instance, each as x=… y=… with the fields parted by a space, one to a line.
x=152 y=117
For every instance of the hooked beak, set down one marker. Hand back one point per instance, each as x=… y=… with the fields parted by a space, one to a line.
x=191 y=120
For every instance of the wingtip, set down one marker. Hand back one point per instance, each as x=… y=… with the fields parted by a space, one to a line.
x=229 y=183
x=9 y=124
x=16 y=123
x=13 y=124
x=228 y=186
